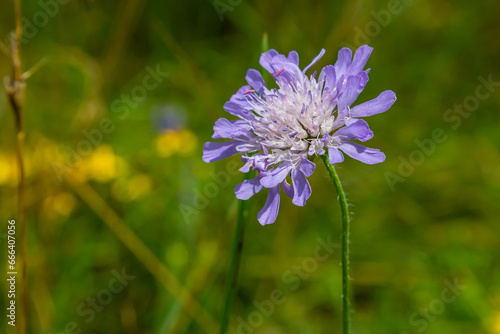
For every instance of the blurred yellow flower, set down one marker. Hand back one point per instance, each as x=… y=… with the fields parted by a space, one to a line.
x=59 y=205
x=103 y=165
x=189 y=142
x=496 y=324
x=8 y=173
x=172 y=142
x=131 y=189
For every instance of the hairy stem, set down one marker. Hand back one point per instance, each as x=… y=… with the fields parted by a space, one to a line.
x=345 y=245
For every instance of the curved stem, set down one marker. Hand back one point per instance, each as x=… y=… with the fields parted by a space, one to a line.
x=232 y=276
x=15 y=87
x=23 y=228
x=345 y=245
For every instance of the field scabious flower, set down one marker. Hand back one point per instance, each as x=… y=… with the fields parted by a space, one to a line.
x=279 y=129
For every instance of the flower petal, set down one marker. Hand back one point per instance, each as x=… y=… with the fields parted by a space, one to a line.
x=270 y=210
x=360 y=58
x=314 y=61
x=330 y=77
x=335 y=155
x=216 y=151
x=275 y=176
x=254 y=79
x=358 y=129
x=376 y=106
x=367 y=155
x=287 y=188
x=343 y=62
x=240 y=97
x=307 y=167
x=285 y=71
x=353 y=87
x=248 y=188
x=237 y=110
x=266 y=58
x=246 y=167
x=231 y=129
x=302 y=189
x=293 y=57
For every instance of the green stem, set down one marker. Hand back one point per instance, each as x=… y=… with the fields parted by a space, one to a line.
x=345 y=245
x=232 y=276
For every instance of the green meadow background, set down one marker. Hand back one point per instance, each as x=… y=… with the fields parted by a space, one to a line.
x=116 y=117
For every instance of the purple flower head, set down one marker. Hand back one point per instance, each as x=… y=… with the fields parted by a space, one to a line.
x=280 y=128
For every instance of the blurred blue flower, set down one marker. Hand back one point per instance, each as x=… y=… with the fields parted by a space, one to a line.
x=279 y=128
x=171 y=116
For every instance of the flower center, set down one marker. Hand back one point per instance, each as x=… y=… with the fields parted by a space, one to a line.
x=292 y=116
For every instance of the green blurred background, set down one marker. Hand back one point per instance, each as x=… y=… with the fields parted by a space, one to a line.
x=141 y=200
